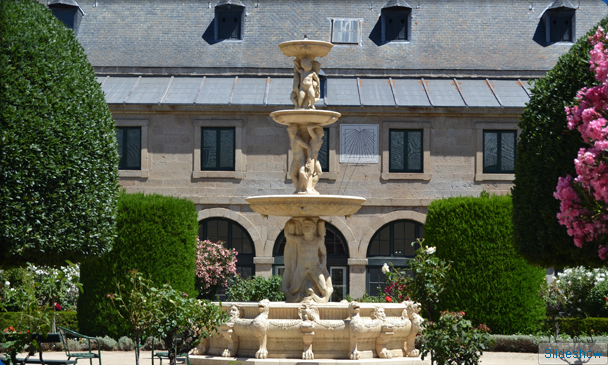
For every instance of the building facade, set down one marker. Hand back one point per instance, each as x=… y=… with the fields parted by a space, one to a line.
x=430 y=94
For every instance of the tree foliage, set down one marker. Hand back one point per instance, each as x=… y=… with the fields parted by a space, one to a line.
x=545 y=152
x=58 y=154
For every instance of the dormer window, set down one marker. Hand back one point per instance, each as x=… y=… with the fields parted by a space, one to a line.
x=68 y=11
x=229 y=19
x=559 y=19
x=396 y=25
x=345 y=31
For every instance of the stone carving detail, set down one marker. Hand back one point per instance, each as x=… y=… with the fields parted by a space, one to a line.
x=260 y=328
x=386 y=332
x=305 y=169
x=306 y=277
x=309 y=315
x=306 y=83
x=227 y=330
x=411 y=312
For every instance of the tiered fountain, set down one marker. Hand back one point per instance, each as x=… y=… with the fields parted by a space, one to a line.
x=307 y=326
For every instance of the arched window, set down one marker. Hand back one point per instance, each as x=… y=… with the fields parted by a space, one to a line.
x=233 y=235
x=391 y=243
x=337 y=259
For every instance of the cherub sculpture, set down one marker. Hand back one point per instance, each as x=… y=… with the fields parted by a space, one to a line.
x=306 y=83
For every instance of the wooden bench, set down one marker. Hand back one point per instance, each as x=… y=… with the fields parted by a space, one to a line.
x=66 y=334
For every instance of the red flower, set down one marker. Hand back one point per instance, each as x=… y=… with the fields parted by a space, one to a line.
x=463 y=313
x=57 y=307
x=389 y=299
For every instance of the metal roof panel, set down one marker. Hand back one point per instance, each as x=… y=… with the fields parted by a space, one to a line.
x=216 y=91
x=342 y=92
x=249 y=91
x=279 y=91
x=183 y=90
x=149 y=90
x=410 y=92
x=444 y=92
x=376 y=92
x=117 y=89
x=510 y=92
x=477 y=93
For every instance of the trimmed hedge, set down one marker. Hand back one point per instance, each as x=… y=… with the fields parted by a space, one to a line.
x=157 y=237
x=255 y=289
x=58 y=154
x=489 y=280
x=546 y=150
x=583 y=326
x=596 y=301
x=62 y=318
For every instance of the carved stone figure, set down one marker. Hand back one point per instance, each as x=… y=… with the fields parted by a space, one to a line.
x=306 y=276
x=306 y=83
x=309 y=315
x=260 y=328
x=356 y=327
x=305 y=169
x=228 y=331
x=411 y=311
x=386 y=332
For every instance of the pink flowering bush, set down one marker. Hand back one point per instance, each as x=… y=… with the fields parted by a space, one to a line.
x=584 y=199
x=215 y=265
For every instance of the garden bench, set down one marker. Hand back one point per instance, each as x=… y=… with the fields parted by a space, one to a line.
x=35 y=360
x=49 y=338
x=165 y=354
x=66 y=334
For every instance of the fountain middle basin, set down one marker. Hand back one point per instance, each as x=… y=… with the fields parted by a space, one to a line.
x=300 y=205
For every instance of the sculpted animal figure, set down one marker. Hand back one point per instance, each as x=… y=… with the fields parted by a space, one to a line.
x=411 y=311
x=356 y=327
x=260 y=328
x=227 y=330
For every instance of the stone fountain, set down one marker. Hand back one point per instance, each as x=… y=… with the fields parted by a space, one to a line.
x=306 y=326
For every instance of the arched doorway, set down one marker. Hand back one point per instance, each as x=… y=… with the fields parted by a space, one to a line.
x=337 y=260
x=234 y=236
x=394 y=242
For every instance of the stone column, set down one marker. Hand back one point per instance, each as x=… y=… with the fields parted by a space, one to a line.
x=263 y=265
x=357 y=277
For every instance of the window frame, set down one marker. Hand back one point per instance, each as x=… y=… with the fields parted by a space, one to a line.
x=218 y=148
x=408 y=26
x=550 y=14
x=359 y=35
x=229 y=9
x=239 y=156
x=142 y=172
x=480 y=175
x=425 y=175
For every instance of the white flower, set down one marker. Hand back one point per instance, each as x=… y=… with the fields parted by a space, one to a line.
x=385 y=268
x=431 y=250
x=7 y=283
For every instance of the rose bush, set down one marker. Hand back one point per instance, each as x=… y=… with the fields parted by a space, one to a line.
x=215 y=265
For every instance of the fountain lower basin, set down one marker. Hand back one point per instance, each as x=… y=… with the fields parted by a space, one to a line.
x=300 y=205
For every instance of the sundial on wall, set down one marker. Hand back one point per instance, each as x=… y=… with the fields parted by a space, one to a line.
x=359 y=143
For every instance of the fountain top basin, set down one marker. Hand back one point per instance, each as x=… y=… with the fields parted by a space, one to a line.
x=300 y=205
x=305 y=48
x=305 y=117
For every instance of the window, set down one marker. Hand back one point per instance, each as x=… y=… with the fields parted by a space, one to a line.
x=391 y=243
x=69 y=14
x=233 y=236
x=499 y=151
x=345 y=31
x=396 y=24
x=129 y=147
x=337 y=259
x=324 y=151
x=405 y=150
x=217 y=149
x=229 y=21
x=559 y=25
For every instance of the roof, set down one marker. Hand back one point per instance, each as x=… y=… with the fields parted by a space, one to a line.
x=263 y=91
x=66 y=2
x=445 y=35
x=399 y=3
x=556 y=4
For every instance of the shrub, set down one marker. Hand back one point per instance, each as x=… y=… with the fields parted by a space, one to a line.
x=125 y=344
x=545 y=152
x=453 y=340
x=215 y=266
x=58 y=153
x=255 y=289
x=490 y=281
x=63 y=319
x=597 y=300
x=157 y=237
x=583 y=326
x=107 y=343
x=366 y=298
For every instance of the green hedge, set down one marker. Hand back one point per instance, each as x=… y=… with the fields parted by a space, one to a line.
x=58 y=154
x=546 y=150
x=583 y=326
x=64 y=319
x=596 y=301
x=157 y=237
x=255 y=289
x=489 y=280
